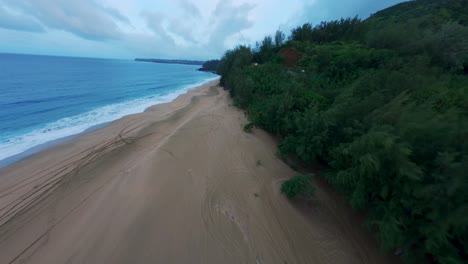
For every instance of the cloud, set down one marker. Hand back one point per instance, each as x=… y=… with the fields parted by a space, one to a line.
x=116 y=14
x=325 y=10
x=182 y=29
x=193 y=35
x=17 y=21
x=84 y=18
x=189 y=9
x=155 y=22
x=229 y=20
x=165 y=28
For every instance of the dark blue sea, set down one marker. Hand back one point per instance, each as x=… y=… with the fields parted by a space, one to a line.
x=44 y=98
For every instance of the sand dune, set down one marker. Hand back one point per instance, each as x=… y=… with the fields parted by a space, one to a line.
x=180 y=183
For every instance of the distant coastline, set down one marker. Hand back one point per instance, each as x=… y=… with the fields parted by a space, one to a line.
x=207 y=66
x=187 y=62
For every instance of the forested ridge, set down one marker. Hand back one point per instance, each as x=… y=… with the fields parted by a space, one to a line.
x=382 y=104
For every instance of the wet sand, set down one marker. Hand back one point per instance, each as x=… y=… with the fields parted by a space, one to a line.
x=179 y=183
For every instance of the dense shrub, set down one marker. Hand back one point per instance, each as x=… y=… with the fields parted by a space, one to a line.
x=210 y=65
x=383 y=104
x=248 y=127
x=298 y=187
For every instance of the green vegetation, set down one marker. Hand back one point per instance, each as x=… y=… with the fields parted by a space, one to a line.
x=210 y=66
x=298 y=187
x=383 y=104
x=248 y=127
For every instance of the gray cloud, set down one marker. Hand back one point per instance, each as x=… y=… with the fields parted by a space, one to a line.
x=229 y=20
x=225 y=21
x=116 y=14
x=182 y=29
x=18 y=21
x=184 y=25
x=154 y=21
x=84 y=18
x=189 y=9
x=325 y=10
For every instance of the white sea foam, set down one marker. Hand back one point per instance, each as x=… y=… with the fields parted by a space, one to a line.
x=77 y=124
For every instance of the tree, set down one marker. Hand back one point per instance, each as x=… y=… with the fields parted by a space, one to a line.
x=279 y=38
x=382 y=105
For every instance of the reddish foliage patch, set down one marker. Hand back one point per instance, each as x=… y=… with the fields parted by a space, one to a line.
x=290 y=57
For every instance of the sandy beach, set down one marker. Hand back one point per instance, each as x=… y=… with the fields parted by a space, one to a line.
x=179 y=183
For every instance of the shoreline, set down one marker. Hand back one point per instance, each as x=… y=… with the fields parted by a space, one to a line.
x=44 y=146
x=55 y=142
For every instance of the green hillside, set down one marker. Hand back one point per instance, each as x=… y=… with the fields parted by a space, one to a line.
x=383 y=104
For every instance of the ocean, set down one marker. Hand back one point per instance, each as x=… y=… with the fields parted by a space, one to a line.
x=44 y=99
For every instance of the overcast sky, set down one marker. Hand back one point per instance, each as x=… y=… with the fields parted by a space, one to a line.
x=159 y=28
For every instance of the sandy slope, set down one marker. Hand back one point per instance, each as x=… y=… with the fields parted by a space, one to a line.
x=177 y=184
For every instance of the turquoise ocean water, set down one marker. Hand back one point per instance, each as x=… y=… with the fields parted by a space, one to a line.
x=44 y=98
